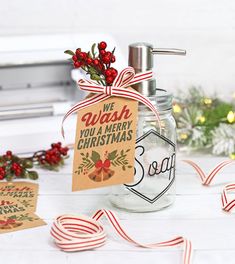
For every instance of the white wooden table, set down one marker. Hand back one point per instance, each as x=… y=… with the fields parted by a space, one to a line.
x=196 y=214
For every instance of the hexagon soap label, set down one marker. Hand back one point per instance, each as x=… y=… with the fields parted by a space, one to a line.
x=154 y=166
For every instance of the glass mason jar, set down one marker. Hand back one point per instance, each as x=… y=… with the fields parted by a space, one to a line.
x=154 y=181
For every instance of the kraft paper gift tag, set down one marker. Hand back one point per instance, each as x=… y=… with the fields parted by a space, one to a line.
x=25 y=192
x=105 y=144
x=15 y=216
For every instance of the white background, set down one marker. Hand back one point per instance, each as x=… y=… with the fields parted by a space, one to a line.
x=206 y=29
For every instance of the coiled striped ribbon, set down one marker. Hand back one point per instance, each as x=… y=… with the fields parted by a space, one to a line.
x=77 y=233
x=207 y=179
x=125 y=78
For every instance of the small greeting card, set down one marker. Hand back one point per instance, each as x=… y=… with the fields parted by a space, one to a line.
x=105 y=144
x=17 y=206
x=15 y=216
x=24 y=192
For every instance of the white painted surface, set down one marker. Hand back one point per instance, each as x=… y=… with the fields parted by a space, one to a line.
x=206 y=29
x=196 y=214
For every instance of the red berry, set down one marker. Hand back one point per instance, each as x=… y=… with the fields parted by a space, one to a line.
x=96 y=62
x=55 y=146
x=18 y=171
x=74 y=58
x=109 y=80
x=64 y=151
x=2 y=172
x=114 y=72
x=108 y=72
x=78 y=51
x=9 y=153
x=113 y=59
x=89 y=61
x=102 y=45
x=106 y=59
x=15 y=166
x=109 y=54
x=77 y=64
x=82 y=55
x=102 y=52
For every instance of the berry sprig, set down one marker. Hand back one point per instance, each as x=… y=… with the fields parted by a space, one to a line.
x=12 y=166
x=98 y=66
x=52 y=158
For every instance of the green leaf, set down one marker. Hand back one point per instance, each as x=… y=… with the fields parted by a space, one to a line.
x=95 y=156
x=112 y=155
x=89 y=54
x=93 y=50
x=92 y=70
x=33 y=175
x=123 y=167
x=12 y=217
x=27 y=163
x=95 y=77
x=70 y=52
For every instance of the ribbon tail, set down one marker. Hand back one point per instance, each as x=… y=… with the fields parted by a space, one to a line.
x=80 y=105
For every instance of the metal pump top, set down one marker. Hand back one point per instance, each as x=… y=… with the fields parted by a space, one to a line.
x=141 y=59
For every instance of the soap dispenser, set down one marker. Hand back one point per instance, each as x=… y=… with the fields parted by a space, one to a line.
x=155 y=151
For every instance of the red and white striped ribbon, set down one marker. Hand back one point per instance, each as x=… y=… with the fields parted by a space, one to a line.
x=125 y=78
x=227 y=205
x=77 y=233
x=206 y=180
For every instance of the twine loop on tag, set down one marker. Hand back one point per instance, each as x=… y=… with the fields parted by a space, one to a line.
x=77 y=233
x=125 y=79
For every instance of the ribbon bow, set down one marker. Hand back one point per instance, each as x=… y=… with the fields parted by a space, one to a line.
x=125 y=78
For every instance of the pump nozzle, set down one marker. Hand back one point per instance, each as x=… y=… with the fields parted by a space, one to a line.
x=168 y=51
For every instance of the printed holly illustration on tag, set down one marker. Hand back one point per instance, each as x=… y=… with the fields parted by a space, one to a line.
x=9 y=223
x=102 y=169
